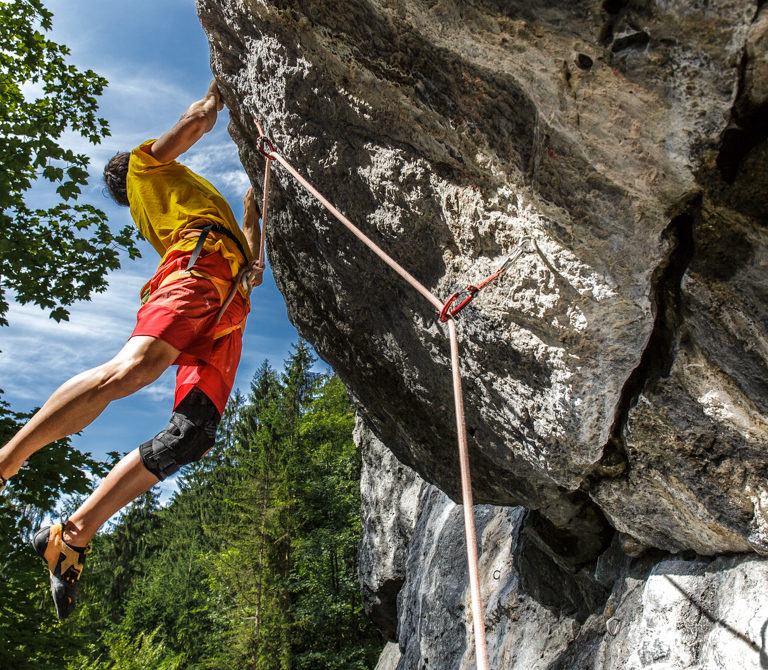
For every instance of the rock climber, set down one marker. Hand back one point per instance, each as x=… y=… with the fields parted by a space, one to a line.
x=192 y=315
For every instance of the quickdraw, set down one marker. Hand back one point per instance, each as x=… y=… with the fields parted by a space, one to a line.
x=264 y=140
x=472 y=290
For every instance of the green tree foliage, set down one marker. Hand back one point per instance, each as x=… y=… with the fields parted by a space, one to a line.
x=29 y=630
x=49 y=256
x=254 y=562
x=56 y=255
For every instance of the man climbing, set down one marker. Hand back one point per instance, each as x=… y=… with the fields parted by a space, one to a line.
x=192 y=315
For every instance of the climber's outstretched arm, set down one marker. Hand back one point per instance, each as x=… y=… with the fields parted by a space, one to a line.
x=252 y=230
x=194 y=123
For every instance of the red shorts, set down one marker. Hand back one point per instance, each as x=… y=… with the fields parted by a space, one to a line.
x=183 y=313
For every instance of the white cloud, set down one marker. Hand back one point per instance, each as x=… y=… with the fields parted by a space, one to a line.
x=38 y=353
x=235 y=180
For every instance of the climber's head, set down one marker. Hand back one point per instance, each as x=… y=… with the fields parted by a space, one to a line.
x=115 y=173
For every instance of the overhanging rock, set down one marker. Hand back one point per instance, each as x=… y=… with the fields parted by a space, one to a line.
x=620 y=369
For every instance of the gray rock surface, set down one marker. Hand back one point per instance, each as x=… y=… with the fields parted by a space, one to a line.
x=390 y=493
x=389 y=658
x=698 y=614
x=434 y=604
x=656 y=612
x=610 y=363
x=615 y=376
x=661 y=613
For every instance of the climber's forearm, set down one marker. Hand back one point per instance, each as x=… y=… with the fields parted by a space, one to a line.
x=251 y=228
x=199 y=118
x=252 y=233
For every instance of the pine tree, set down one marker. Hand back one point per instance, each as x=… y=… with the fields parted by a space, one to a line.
x=253 y=563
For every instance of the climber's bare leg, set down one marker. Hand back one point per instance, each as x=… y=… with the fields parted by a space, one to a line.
x=125 y=482
x=77 y=402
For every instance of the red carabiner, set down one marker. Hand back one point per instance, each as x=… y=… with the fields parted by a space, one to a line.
x=262 y=140
x=471 y=290
x=447 y=306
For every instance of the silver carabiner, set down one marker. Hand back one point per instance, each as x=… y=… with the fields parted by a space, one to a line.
x=522 y=248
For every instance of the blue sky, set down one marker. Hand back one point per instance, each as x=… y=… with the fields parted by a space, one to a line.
x=155 y=55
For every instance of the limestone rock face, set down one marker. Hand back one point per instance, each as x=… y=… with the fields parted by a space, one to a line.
x=684 y=615
x=620 y=364
x=615 y=376
x=390 y=495
x=653 y=612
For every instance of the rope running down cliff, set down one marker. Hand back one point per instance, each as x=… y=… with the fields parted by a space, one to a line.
x=266 y=148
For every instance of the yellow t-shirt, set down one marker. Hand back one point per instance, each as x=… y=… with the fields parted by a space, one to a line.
x=168 y=198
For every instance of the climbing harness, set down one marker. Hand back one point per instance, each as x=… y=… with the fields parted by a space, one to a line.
x=244 y=279
x=216 y=228
x=226 y=288
x=266 y=147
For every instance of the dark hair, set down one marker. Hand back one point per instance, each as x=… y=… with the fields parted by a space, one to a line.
x=115 y=173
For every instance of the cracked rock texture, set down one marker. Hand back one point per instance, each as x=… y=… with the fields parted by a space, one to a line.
x=615 y=376
x=626 y=613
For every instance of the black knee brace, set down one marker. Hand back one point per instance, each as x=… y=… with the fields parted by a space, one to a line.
x=188 y=437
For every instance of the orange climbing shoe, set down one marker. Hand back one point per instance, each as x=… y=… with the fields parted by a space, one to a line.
x=65 y=564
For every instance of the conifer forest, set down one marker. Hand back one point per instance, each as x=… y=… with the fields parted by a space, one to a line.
x=252 y=564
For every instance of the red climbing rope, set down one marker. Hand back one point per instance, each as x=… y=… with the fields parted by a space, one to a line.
x=265 y=200
x=266 y=147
